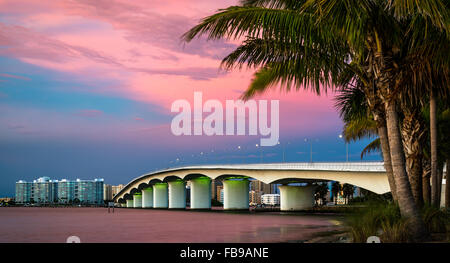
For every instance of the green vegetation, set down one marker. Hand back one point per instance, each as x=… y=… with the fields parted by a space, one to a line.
x=371 y=197
x=383 y=219
x=320 y=192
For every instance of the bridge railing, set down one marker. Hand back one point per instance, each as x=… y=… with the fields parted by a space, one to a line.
x=343 y=166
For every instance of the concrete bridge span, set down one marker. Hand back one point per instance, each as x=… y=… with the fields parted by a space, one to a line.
x=166 y=188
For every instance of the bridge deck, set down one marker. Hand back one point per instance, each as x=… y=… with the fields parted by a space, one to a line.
x=362 y=167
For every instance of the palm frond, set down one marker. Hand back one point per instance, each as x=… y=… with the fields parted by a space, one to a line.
x=283 y=25
x=253 y=21
x=282 y=4
x=375 y=145
x=351 y=103
x=355 y=21
x=357 y=129
x=314 y=72
x=436 y=11
x=255 y=52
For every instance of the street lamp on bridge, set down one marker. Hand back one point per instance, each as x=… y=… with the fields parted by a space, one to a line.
x=346 y=145
x=310 y=148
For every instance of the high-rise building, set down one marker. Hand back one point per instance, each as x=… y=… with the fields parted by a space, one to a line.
x=219 y=190
x=213 y=189
x=259 y=186
x=275 y=189
x=90 y=192
x=116 y=189
x=23 y=192
x=221 y=193
x=107 y=192
x=45 y=191
x=255 y=197
x=66 y=191
x=215 y=186
x=270 y=199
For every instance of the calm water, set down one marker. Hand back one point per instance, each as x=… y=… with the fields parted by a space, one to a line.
x=32 y=224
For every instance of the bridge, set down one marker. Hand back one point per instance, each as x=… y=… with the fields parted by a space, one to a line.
x=167 y=188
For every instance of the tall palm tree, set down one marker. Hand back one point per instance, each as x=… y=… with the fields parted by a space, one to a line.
x=348 y=190
x=359 y=122
x=335 y=190
x=428 y=64
x=434 y=154
x=426 y=176
x=321 y=191
x=445 y=145
x=308 y=44
x=443 y=121
x=384 y=53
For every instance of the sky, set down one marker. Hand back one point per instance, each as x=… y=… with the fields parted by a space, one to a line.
x=86 y=89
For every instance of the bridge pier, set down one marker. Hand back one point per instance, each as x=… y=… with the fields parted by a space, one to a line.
x=137 y=200
x=147 y=197
x=130 y=204
x=177 y=194
x=160 y=195
x=235 y=194
x=201 y=193
x=293 y=198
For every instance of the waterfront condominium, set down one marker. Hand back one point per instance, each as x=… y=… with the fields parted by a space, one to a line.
x=270 y=199
x=46 y=191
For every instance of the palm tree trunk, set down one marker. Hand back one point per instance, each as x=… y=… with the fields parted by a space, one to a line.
x=439 y=185
x=433 y=142
x=415 y=178
x=426 y=186
x=382 y=134
x=447 y=186
x=412 y=131
x=407 y=205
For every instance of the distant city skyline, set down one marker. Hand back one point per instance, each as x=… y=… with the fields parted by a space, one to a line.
x=44 y=190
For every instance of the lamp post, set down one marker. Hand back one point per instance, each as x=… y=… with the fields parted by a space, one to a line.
x=346 y=145
x=202 y=160
x=310 y=149
x=243 y=158
x=260 y=151
x=284 y=150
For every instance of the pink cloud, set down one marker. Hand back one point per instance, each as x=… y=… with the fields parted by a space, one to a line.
x=136 y=45
x=13 y=76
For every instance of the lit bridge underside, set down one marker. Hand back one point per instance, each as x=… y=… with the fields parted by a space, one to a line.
x=166 y=188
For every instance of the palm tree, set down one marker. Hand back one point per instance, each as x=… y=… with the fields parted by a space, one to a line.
x=443 y=121
x=413 y=135
x=428 y=73
x=445 y=146
x=309 y=44
x=434 y=161
x=335 y=190
x=359 y=121
x=321 y=191
x=348 y=190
